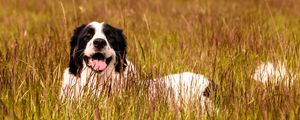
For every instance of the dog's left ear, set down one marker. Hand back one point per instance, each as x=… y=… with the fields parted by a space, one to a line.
x=121 y=61
x=117 y=40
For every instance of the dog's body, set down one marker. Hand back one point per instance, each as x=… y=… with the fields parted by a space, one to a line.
x=73 y=86
x=184 y=88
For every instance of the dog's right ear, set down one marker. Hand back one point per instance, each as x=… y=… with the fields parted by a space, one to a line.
x=74 y=67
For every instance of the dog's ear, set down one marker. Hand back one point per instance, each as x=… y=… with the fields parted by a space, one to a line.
x=121 y=61
x=117 y=40
x=75 y=64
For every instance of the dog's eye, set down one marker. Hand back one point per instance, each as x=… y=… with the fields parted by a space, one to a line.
x=108 y=33
x=89 y=34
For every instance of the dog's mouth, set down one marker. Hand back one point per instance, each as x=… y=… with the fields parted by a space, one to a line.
x=98 y=62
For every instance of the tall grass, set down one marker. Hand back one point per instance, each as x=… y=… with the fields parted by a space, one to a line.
x=224 y=40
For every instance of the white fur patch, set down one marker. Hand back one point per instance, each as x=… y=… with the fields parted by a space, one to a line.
x=73 y=87
x=269 y=73
x=185 y=86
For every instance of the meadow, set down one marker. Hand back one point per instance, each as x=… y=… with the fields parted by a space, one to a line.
x=222 y=39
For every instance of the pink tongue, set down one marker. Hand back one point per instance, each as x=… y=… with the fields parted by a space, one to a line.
x=98 y=65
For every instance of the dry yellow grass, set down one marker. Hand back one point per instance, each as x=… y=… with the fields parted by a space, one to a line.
x=224 y=40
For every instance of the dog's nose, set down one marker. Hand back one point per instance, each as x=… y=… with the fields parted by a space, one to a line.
x=99 y=43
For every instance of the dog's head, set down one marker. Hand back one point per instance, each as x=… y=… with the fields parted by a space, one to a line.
x=98 y=46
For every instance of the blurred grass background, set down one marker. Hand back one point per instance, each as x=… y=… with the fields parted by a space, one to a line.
x=222 y=39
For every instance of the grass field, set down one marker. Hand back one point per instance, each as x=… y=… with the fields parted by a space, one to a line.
x=221 y=39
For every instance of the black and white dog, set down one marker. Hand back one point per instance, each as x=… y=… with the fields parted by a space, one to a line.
x=98 y=58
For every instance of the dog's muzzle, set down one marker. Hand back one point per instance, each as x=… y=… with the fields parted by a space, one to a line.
x=98 y=62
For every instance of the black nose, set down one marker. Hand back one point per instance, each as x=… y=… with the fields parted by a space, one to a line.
x=99 y=43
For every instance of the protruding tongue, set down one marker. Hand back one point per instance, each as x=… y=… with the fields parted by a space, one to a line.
x=98 y=65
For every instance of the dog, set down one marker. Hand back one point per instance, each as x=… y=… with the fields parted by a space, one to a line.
x=98 y=61
x=269 y=73
x=97 y=58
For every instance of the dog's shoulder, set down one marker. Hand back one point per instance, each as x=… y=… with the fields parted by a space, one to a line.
x=130 y=70
x=68 y=77
x=68 y=81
